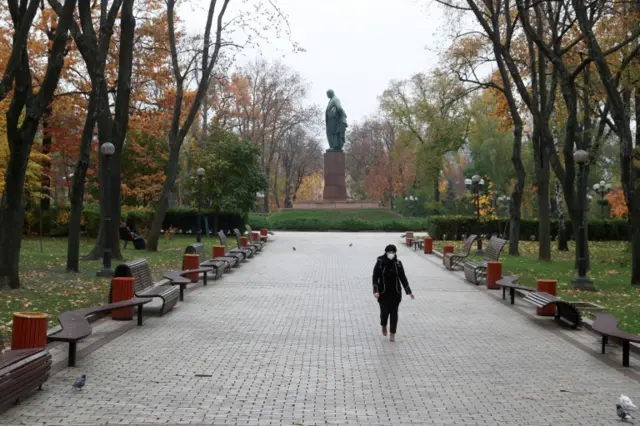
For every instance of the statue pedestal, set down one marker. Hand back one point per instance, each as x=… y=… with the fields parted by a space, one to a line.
x=335 y=187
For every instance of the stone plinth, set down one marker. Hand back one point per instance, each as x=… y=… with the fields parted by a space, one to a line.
x=335 y=187
x=336 y=205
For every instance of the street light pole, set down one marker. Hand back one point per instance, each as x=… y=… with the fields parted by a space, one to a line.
x=582 y=282
x=107 y=149
x=504 y=201
x=474 y=185
x=200 y=172
x=602 y=189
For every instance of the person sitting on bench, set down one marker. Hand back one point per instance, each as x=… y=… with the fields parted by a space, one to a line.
x=126 y=235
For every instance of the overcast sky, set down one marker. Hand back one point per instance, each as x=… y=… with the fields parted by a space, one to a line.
x=352 y=46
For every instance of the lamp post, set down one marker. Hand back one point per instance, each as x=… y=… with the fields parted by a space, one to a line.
x=200 y=173
x=602 y=189
x=582 y=282
x=504 y=201
x=107 y=149
x=411 y=199
x=475 y=184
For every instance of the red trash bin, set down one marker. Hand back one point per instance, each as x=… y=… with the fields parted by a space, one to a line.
x=264 y=233
x=244 y=241
x=428 y=245
x=191 y=261
x=255 y=236
x=445 y=250
x=494 y=273
x=547 y=286
x=218 y=251
x=122 y=288
x=29 y=330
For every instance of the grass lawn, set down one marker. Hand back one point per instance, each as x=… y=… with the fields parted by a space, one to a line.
x=46 y=287
x=610 y=270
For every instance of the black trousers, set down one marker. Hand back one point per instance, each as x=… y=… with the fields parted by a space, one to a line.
x=389 y=308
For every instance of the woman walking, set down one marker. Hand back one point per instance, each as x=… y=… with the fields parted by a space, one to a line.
x=388 y=274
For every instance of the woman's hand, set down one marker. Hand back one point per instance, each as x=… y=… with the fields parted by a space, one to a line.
x=376 y=295
x=412 y=296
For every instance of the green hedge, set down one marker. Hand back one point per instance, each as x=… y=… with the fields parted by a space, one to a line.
x=330 y=221
x=455 y=226
x=55 y=221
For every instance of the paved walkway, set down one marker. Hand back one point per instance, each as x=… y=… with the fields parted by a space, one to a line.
x=292 y=337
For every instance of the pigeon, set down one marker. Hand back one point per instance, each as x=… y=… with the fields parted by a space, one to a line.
x=623 y=407
x=350 y=244
x=294 y=249
x=80 y=382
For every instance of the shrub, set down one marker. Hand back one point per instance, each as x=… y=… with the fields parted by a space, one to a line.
x=137 y=218
x=455 y=226
x=336 y=220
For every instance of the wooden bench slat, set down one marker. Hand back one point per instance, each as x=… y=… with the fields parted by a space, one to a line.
x=144 y=285
x=607 y=325
x=22 y=372
x=475 y=271
x=241 y=252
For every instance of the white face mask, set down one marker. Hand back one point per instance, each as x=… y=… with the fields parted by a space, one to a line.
x=391 y=255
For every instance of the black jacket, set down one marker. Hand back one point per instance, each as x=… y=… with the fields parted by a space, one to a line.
x=388 y=275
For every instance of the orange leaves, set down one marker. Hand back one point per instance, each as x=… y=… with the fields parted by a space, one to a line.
x=617 y=203
x=393 y=174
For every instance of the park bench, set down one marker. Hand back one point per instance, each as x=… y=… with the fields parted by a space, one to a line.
x=475 y=271
x=22 y=372
x=263 y=238
x=219 y=266
x=178 y=278
x=145 y=287
x=240 y=253
x=418 y=244
x=511 y=282
x=253 y=247
x=566 y=313
x=75 y=324
x=607 y=326
x=453 y=259
x=250 y=235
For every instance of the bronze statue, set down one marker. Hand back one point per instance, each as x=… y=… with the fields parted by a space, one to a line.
x=336 y=123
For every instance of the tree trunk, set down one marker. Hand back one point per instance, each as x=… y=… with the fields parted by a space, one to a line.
x=543 y=173
x=77 y=188
x=544 y=224
x=163 y=203
x=45 y=200
x=12 y=214
x=267 y=172
x=275 y=188
x=515 y=206
x=562 y=230
x=436 y=195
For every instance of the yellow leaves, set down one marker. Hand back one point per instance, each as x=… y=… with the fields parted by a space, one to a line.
x=310 y=188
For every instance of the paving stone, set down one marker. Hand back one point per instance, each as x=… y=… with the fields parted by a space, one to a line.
x=293 y=338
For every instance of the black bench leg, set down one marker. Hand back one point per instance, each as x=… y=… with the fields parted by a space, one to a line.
x=504 y=293
x=72 y=354
x=140 y=315
x=625 y=353
x=204 y=279
x=512 y=293
x=182 y=286
x=605 y=340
